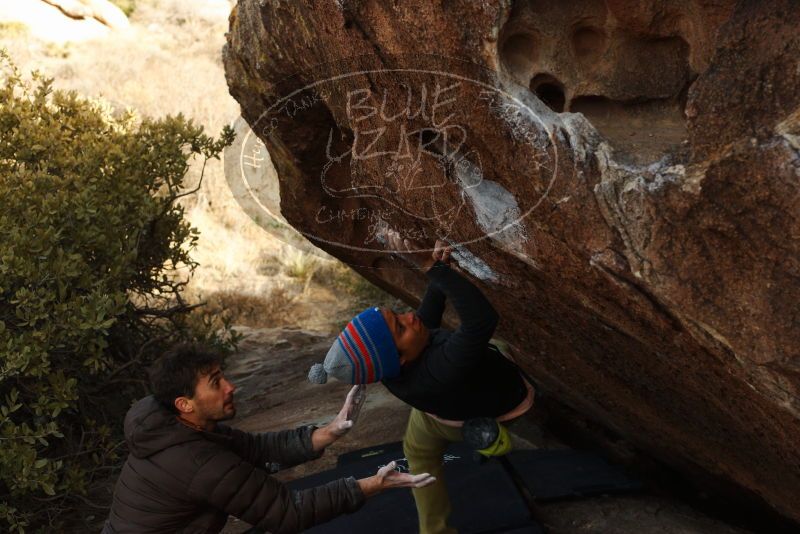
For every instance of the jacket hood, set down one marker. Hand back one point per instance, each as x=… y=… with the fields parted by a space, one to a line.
x=150 y=428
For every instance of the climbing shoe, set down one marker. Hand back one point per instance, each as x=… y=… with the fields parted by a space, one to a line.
x=486 y=436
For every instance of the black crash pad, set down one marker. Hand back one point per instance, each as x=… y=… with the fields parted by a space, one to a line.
x=554 y=474
x=483 y=496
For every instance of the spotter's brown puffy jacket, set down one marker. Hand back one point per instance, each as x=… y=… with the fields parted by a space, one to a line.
x=178 y=479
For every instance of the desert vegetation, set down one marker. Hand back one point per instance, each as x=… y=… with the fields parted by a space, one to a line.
x=95 y=257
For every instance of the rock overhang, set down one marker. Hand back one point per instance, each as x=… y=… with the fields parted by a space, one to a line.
x=650 y=281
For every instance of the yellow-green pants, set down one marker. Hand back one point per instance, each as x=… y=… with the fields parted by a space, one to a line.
x=424 y=444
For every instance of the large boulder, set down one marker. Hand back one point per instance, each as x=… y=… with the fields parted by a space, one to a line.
x=621 y=178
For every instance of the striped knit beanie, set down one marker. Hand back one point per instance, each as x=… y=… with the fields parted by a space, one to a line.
x=363 y=353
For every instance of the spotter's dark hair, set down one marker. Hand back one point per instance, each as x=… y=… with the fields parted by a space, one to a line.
x=176 y=372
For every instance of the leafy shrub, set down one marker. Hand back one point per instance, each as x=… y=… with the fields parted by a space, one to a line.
x=94 y=255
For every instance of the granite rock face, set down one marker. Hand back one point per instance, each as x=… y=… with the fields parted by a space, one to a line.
x=621 y=178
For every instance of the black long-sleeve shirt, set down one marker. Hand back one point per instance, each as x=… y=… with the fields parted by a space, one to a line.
x=458 y=376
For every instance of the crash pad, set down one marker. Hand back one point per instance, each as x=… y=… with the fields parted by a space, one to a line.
x=483 y=496
x=555 y=474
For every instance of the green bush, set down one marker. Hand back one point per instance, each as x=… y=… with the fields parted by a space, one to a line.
x=94 y=255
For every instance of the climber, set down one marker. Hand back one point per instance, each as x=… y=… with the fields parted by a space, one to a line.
x=448 y=377
x=187 y=473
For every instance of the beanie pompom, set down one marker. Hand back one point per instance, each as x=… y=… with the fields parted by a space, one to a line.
x=317 y=374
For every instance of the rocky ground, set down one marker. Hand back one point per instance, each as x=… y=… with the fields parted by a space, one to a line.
x=272 y=394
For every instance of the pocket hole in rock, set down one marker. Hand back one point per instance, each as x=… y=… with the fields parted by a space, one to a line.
x=587 y=42
x=549 y=90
